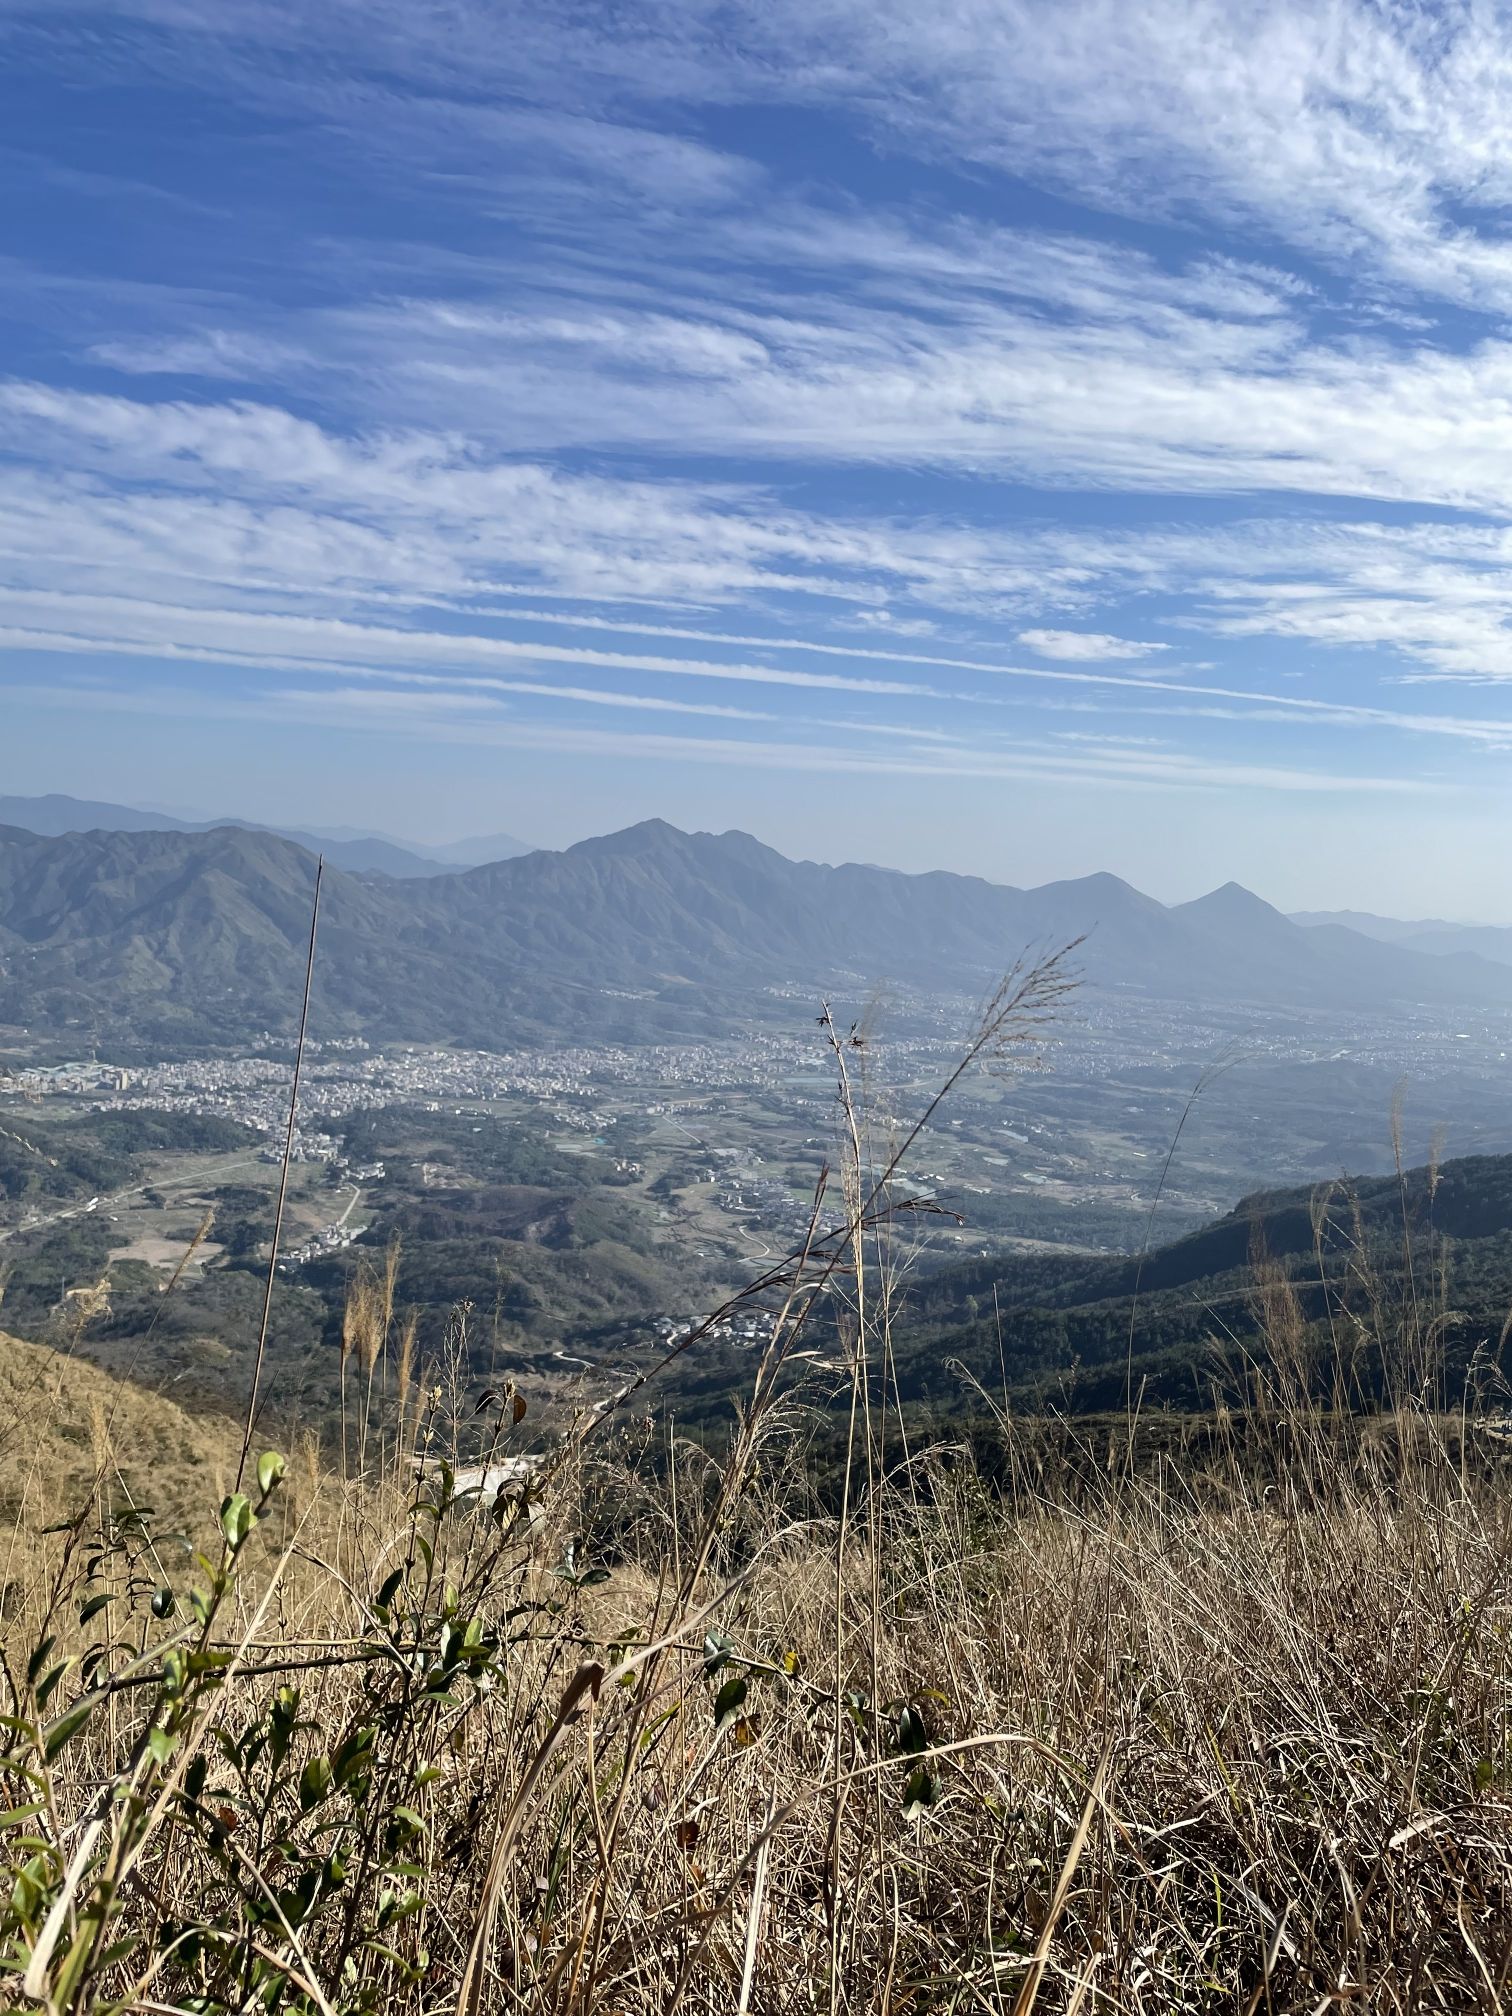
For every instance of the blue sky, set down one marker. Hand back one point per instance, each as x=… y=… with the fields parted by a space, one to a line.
x=1023 y=436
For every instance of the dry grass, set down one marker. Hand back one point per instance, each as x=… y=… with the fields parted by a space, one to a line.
x=70 y=1434
x=1276 y=1736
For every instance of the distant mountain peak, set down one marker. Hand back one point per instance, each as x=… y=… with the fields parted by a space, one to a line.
x=1101 y=882
x=660 y=836
x=647 y=836
x=1232 y=900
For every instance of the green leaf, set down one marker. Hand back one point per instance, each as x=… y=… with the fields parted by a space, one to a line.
x=728 y=1702
x=236 y=1518
x=270 y=1471
x=68 y=1724
x=913 y=1737
x=74 y=1965
x=38 y=1660
x=163 y=1602
x=354 y=1755
x=921 y=1792
x=46 y=1685
x=95 y=1605
x=160 y=1743
x=314 y=1782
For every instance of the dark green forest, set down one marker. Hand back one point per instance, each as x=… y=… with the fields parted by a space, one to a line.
x=1429 y=1250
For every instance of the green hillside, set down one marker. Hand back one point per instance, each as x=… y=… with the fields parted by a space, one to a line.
x=1433 y=1249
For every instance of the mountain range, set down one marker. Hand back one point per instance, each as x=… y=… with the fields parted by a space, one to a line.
x=198 y=937
x=1427 y=934
x=55 y=814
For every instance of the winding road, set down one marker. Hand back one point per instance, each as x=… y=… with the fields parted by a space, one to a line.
x=202 y=1178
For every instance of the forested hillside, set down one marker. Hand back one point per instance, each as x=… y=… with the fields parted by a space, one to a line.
x=1378 y=1256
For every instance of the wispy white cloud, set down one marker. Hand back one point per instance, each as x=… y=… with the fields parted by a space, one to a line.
x=1178 y=397
x=1108 y=766
x=287 y=638
x=1373 y=135
x=1086 y=647
x=670 y=425
x=251 y=498
x=101 y=626
x=1203 y=407
x=237 y=354
x=438 y=505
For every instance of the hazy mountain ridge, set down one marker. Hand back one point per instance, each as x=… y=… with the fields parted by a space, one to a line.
x=1430 y=935
x=204 y=934
x=55 y=814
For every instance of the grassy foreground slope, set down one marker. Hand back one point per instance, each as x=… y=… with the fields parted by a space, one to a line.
x=72 y=1434
x=1197 y=1740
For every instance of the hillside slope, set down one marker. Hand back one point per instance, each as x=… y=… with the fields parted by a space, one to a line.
x=1088 y=1330
x=62 y=1420
x=1431 y=934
